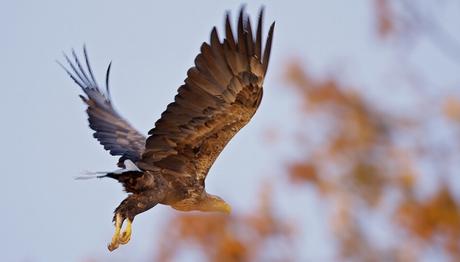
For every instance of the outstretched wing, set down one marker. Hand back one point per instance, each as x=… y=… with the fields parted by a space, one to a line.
x=220 y=95
x=111 y=130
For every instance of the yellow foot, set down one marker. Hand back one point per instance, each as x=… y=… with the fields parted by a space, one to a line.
x=118 y=239
x=126 y=235
x=116 y=236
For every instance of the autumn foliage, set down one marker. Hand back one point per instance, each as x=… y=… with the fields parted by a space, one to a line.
x=363 y=167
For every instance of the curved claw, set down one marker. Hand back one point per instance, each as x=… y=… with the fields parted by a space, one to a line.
x=116 y=236
x=126 y=235
x=113 y=245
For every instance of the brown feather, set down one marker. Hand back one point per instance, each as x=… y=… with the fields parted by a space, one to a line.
x=220 y=95
x=111 y=130
x=229 y=32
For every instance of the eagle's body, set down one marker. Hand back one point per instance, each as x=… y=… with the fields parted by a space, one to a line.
x=220 y=95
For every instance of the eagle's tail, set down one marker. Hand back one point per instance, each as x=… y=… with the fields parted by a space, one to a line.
x=90 y=175
x=129 y=167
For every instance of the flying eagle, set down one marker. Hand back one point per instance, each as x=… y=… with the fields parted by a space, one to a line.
x=220 y=95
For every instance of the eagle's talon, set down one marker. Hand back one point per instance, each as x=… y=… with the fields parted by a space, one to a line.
x=124 y=239
x=115 y=243
x=126 y=235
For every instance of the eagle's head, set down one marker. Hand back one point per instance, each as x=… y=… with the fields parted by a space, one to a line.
x=212 y=203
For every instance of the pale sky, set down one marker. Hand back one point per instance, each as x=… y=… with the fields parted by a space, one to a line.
x=46 y=142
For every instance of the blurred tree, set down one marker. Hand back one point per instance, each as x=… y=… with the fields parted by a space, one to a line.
x=363 y=167
x=369 y=162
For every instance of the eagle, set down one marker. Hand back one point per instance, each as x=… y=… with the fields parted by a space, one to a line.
x=220 y=95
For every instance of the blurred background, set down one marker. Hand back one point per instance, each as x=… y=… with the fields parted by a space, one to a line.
x=353 y=155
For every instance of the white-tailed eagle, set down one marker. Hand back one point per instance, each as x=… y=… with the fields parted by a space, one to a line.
x=220 y=95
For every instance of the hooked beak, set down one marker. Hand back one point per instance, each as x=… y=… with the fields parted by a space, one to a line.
x=227 y=209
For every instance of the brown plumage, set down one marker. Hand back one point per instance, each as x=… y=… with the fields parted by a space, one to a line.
x=220 y=95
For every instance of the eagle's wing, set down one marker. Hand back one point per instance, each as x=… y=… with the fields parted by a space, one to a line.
x=111 y=130
x=220 y=95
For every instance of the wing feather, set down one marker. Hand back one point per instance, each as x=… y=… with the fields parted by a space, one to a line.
x=258 y=46
x=220 y=95
x=229 y=32
x=111 y=130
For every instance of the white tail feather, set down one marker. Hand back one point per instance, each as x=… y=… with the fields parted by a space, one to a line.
x=90 y=175
x=129 y=166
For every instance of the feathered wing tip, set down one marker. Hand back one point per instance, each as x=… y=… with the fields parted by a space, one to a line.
x=85 y=77
x=241 y=32
x=246 y=43
x=268 y=47
x=107 y=77
x=229 y=32
x=258 y=50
